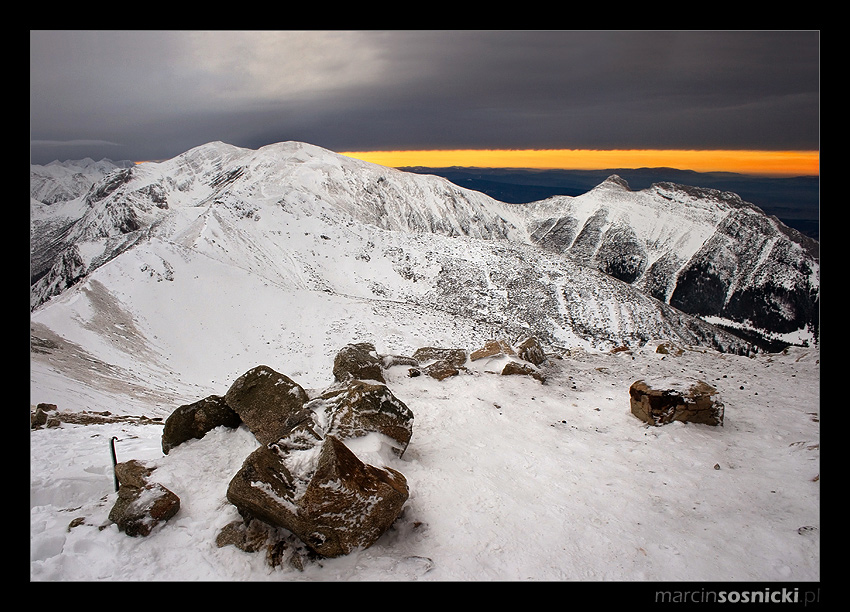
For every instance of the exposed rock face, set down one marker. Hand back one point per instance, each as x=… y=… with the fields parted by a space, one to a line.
x=691 y=402
x=193 y=421
x=141 y=505
x=781 y=291
x=358 y=361
x=268 y=402
x=330 y=499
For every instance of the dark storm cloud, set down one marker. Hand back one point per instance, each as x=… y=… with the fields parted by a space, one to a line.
x=150 y=95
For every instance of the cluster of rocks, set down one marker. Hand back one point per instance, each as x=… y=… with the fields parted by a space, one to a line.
x=524 y=358
x=303 y=478
x=304 y=481
x=48 y=415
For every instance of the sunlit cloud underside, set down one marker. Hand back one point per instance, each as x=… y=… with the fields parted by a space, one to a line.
x=775 y=163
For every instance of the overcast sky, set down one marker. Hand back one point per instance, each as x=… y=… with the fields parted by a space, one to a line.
x=152 y=95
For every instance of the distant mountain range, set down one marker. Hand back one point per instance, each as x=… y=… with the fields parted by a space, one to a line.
x=291 y=250
x=794 y=200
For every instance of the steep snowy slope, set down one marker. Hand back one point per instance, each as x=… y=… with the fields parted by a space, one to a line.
x=304 y=180
x=184 y=294
x=703 y=251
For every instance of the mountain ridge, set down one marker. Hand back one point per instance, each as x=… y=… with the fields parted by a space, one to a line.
x=794 y=200
x=241 y=203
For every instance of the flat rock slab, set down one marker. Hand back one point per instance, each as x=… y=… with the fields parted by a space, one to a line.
x=689 y=401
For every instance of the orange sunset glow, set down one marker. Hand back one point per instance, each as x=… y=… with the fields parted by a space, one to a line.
x=768 y=163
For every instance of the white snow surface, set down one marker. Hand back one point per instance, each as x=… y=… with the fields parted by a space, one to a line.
x=510 y=479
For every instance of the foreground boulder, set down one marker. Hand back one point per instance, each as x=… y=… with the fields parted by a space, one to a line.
x=303 y=478
x=268 y=402
x=193 y=421
x=324 y=495
x=690 y=402
x=141 y=505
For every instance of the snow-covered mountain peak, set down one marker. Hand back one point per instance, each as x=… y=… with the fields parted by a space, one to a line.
x=613 y=182
x=226 y=197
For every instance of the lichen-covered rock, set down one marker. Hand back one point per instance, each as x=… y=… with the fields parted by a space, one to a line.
x=193 y=421
x=268 y=402
x=673 y=400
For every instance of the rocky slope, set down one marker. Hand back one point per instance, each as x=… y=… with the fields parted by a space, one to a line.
x=703 y=251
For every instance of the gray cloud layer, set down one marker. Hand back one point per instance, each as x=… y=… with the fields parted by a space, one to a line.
x=152 y=95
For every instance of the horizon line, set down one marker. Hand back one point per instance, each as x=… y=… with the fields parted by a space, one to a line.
x=750 y=161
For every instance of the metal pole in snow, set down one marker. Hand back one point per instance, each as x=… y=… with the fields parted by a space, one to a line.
x=114 y=462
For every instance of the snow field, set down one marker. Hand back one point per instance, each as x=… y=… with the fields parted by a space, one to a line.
x=510 y=479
